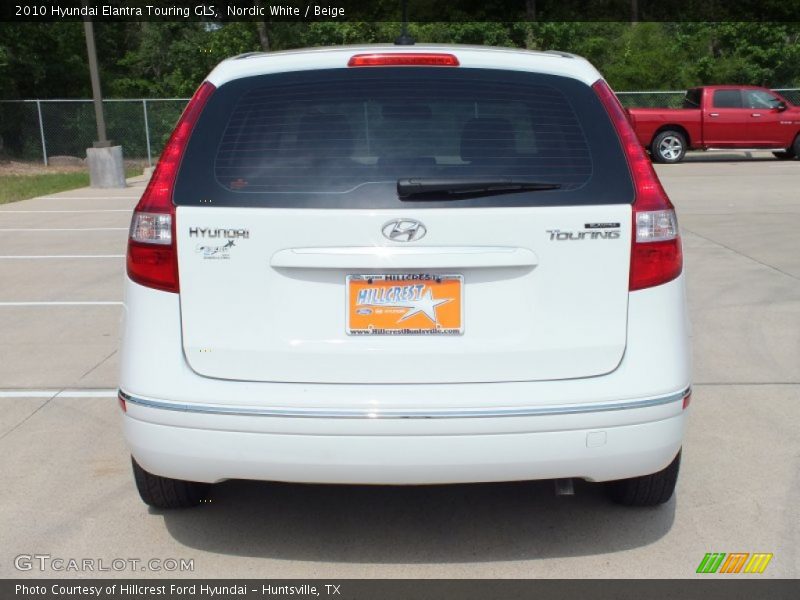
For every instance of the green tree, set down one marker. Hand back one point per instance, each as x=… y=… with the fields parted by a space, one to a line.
x=170 y=59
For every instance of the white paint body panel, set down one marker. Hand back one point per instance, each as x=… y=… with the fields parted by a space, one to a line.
x=185 y=453
x=336 y=57
x=273 y=311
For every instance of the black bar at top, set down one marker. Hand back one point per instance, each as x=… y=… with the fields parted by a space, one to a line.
x=300 y=11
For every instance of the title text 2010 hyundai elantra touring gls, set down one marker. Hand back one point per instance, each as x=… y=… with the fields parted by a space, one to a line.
x=404 y=265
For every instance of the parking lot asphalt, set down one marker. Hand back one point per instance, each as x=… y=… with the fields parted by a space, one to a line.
x=67 y=489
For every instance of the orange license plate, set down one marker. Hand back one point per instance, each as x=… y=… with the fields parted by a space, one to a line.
x=405 y=304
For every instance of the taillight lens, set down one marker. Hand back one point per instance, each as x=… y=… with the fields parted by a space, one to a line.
x=656 y=255
x=403 y=59
x=654 y=263
x=656 y=226
x=152 y=258
x=151 y=228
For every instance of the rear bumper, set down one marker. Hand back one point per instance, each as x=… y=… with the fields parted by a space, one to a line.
x=385 y=449
x=623 y=424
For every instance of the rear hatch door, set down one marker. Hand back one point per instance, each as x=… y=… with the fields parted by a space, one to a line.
x=299 y=262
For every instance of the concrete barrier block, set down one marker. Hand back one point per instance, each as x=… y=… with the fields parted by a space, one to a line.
x=106 y=169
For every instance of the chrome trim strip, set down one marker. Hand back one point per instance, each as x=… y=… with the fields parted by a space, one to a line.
x=461 y=413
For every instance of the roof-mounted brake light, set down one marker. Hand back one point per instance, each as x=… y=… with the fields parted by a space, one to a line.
x=403 y=59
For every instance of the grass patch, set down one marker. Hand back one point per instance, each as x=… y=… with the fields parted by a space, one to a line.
x=21 y=187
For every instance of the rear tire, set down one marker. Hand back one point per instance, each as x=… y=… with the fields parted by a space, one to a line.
x=791 y=152
x=163 y=492
x=647 y=490
x=668 y=147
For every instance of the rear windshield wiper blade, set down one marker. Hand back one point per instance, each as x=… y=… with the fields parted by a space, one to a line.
x=425 y=188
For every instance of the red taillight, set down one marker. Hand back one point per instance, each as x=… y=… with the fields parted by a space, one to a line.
x=122 y=404
x=403 y=59
x=687 y=399
x=656 y=255
x=153 y=266
x=152 y=258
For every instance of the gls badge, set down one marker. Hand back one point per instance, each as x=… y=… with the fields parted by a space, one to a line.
x=221 y=251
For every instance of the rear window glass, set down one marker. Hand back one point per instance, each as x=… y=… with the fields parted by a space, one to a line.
x=342 y=138
x=692 y=98
x=727 y=99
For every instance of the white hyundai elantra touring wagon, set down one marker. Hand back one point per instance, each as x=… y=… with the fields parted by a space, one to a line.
x=404 y=265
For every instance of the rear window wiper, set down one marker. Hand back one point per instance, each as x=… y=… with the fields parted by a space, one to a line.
x=432 y=188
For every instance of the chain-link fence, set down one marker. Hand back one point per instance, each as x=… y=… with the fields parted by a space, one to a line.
x=41 y=129
x=668 y=99
x=36 y=130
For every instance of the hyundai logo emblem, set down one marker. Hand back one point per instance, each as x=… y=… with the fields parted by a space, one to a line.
x=404 y=230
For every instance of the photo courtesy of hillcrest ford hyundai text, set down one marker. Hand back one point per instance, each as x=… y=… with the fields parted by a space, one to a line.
x=404 y=265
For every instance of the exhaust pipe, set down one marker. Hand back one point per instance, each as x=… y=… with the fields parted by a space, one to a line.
x=564 y=487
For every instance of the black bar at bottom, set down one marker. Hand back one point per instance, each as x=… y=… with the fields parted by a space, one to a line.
x=711 y=587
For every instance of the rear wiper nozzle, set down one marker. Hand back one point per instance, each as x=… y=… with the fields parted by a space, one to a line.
x=432 y=188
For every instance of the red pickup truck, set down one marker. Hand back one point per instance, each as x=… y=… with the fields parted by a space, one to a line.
x=720 y=117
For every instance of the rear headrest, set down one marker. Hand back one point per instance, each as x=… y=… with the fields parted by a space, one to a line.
x=487 y=139
x=325 y=135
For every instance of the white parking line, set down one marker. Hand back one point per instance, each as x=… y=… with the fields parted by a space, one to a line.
x=77 y=303
x=74 y=393
x=65 y=229
x=49 y=256
x=99 y=210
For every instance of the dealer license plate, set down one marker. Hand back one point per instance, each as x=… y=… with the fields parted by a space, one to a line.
x=405 y=304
